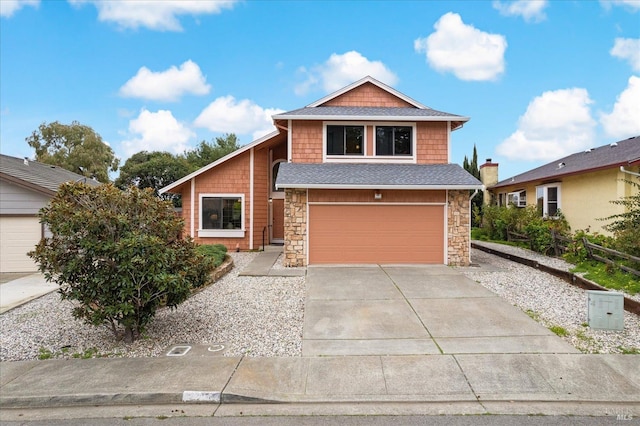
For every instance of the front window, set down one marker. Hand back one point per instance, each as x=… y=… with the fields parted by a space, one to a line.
x=518 y=198
x=345 y=140
x=548 y=200
x=221 y=213
x=393 y=140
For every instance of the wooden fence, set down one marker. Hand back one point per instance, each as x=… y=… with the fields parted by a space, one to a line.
x=560 y=244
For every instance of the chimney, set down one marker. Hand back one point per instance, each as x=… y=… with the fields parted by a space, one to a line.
x=26 y=161
x=488 y=177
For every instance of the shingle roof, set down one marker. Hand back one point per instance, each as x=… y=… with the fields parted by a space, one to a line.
x=33 y=173
x=364 y=113
x=375 y=176
x=617 y=154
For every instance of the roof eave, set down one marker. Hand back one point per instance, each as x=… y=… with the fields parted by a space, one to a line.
x=380 y=187
x=28 y=185
x=559 y=176
x=368 y=118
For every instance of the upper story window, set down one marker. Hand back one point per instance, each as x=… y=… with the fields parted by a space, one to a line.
x=345 y=140
x=394 y=140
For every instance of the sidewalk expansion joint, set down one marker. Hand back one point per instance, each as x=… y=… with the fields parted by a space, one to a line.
x=475 y=394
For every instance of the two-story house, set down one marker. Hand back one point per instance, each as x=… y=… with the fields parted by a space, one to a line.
x=361 y=176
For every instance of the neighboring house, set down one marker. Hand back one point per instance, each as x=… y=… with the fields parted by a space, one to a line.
x=361 y=176
x=25 y=187
x=581 y=185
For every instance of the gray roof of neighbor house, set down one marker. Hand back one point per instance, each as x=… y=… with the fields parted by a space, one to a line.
x=368 y=113
x=375 y=176
x=39 y=176
x=621 y=153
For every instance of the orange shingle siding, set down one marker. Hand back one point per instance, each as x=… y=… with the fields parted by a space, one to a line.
x=367 y=95
x=307 y=141
x=432 y=144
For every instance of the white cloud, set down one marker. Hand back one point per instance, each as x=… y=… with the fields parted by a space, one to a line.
x=530 y=10
x=161 y=15
x=156 y=131
x=226 y=115
x=167 y=85
x=624 y=120
x=470 y=54
x=9 y=7
x=632 y=5
x=629 y=49
x=556 y=123
x=341 y=70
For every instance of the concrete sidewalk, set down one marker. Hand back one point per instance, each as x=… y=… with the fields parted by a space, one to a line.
x=22 y=290
x=263 y=265
x=432 y=384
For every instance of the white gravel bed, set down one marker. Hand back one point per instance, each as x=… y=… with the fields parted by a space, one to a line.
x=552 y=262
x=552 y=302
x=255 y=316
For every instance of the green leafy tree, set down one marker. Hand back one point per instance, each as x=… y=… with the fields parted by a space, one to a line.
x=626 y=226
x=477 y=202
x=118 y=254
x=153 y=170
x=206 y=153
x=75 y=147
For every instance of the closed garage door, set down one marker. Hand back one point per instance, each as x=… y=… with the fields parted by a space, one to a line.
x=376 y=234
x=18 y=236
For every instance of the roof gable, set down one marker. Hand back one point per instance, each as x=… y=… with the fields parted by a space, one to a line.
x=39 y=176
x=227 y=157
x=621 y=153
x=367 y=86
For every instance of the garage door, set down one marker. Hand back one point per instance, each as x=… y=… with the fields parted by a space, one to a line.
x=18 y=235
x=376 y=234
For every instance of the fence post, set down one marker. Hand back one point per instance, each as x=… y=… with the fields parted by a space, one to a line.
x=587 y=247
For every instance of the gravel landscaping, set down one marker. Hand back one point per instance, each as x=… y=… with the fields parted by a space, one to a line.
x=255 y=316
x=263 y=316
x=551 y=301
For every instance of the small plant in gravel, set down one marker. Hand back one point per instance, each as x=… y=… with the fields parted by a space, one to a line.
x=629 y=351
x=118 y=254
x=560 y=331
x=44 y=353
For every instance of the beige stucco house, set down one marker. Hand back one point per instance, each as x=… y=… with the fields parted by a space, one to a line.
x=363 y=175
x=581 y=185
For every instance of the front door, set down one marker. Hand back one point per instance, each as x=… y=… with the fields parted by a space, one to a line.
x=277 y=222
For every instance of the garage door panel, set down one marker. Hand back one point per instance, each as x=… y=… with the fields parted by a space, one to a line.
x=376 y=234
x=18 y=236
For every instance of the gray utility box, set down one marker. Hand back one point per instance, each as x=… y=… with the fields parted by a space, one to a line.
x=605 y=310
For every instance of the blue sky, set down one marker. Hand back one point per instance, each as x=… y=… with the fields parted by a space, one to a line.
x=539 y=79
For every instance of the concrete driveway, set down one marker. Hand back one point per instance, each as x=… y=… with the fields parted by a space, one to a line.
x=406 y=310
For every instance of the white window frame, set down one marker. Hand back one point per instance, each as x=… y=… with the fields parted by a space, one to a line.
x=545 y=198
x=347 y=158
x=223 y=233
x=414 y=137
x=518 y=195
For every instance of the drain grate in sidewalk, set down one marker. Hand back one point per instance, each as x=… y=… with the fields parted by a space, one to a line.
x=213 y=349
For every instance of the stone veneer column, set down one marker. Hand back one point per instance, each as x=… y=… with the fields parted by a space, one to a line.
x=458 y=222
x=295 y=227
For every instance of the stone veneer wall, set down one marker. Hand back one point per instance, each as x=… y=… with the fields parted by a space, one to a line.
x=459 y=218
x=295 y=227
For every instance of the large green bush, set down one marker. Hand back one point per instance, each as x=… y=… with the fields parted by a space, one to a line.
x=498 y=222
x=626 y=226
x=118 y=254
